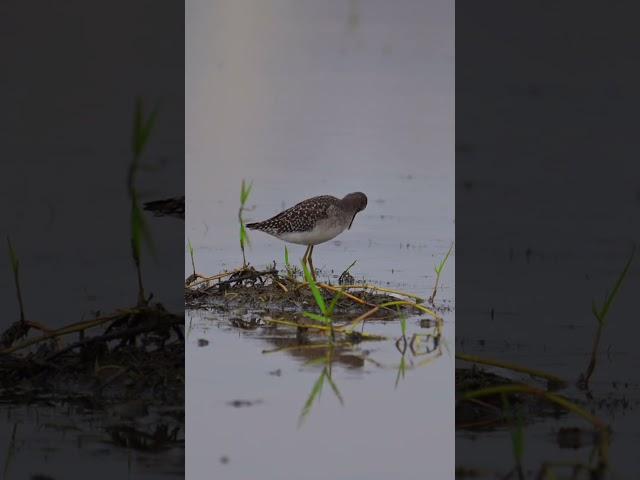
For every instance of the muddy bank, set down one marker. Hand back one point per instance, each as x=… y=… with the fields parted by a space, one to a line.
x=560 y=413
x=137 y=354
x=489 y=412
x=277 y=290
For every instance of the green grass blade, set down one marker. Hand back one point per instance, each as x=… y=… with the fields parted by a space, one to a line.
x=403 y=321
x=334 y=387
x=518 y=438
x=315 y=393
x=334 y=302
x=401 y=371
x=243 y=235
x=141 y=128
x=349 y=267
x=244 y=192
x=193 y=263
x=136 y=233
x=439 y=267
x=314 y=289
x=517 y=434
x=151 y=121
x=10 y=452
x=602 y=314
x=137 y=128
x=140 y=230
x=15 y=263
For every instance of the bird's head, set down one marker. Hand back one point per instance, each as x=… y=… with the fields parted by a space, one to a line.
x=356 y=202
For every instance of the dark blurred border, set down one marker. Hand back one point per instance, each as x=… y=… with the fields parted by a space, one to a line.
x=71 y=74
x=547 y=186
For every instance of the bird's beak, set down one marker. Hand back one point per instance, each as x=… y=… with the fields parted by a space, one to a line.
x=351 y=223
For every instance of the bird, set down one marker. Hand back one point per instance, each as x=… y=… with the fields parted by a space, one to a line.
x=314 y=221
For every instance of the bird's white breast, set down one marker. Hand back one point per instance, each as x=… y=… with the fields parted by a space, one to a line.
x=322 y=232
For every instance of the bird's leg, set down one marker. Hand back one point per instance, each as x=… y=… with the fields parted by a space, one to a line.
x=306 y=253
x=313 y=270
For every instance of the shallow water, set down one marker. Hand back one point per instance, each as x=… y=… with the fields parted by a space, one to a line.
x=46 y=441
x=306 y=101
x=380 y=429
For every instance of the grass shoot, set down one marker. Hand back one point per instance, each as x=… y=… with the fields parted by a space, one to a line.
x=601 y=313
x=403 y=322
x=514 y=417
x=11 y=451
x=327 y=311
x=15 y=266
x=290 y=269
x=245 y=190
x=193 y=263
x=401 y=345
x=20 y=328
x=601 y=317
x=346 y=277
x=316 y=390
x=438 y=269
x=142 y=126
x=317 y=295
x=402 y=369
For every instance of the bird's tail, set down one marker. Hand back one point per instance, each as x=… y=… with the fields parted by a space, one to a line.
x=253 y=226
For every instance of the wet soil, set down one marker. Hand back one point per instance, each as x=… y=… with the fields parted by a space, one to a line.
x=139 y=354
x=576 y=433
x=488 y=413
x=126 y=381
x=274 y=290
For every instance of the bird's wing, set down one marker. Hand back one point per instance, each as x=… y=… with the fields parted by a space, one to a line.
x=302 y=216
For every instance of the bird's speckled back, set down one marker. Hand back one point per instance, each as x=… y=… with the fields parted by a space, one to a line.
x=302 y=217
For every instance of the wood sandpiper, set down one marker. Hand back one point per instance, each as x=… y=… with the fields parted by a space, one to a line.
x=314 y=221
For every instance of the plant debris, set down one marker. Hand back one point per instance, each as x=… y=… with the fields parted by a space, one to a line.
x=268 y=290
x=138 y=355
